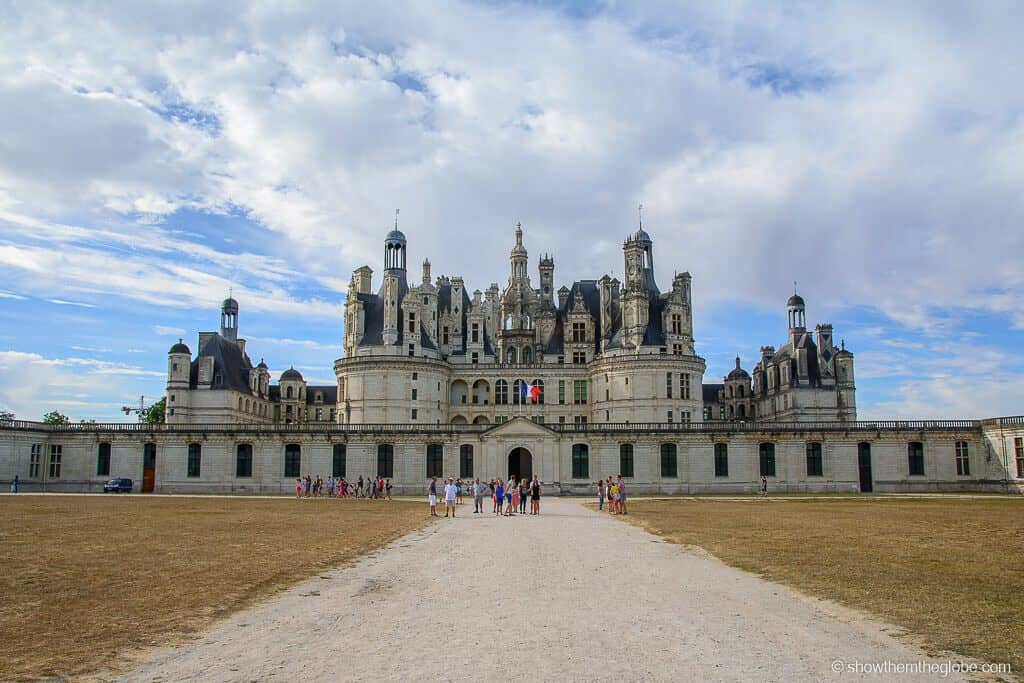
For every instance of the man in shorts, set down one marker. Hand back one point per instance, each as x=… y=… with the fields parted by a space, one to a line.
x=451 y=491
x=432 y=496
x=478 y=495
x=622 y=496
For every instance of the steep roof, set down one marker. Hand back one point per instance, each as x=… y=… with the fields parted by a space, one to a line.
x=229 y=363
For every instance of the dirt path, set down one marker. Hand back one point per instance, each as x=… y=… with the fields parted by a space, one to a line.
x=571 y=594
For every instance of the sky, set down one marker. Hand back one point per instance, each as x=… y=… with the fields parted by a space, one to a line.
x=155 y=156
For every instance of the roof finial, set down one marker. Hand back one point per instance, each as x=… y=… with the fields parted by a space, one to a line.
x=396 y=219
x=842 y=344
x=794 y=286
x=231 y=292
x=640 y=215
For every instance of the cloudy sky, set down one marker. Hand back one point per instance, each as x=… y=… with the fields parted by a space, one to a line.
x=155 y=155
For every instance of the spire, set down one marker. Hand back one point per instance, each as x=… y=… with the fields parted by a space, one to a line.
x=519 y=234
x=396 y=219
x=737 y=362
x=640 y=215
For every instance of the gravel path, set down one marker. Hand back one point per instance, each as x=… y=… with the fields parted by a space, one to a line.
x=582 y=597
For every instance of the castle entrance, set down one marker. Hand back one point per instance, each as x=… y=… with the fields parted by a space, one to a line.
x=520 y=464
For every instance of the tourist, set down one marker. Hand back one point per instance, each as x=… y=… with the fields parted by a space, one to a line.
x=600 y=495
x=513 y=498
x=608 y=495
x=622 y=496
x=478 y=495
x=494 y=497
x=387 y=487
x=508 y=493
x=298 y=487
x=450 y=496
x=15 y=484
x=524 y=493
x=535 y=496
x=330 y=487
x=764 y=486
x=359 y=487
x=499 y=496
x=613 y=497
x=458 y=491
x=432 y=496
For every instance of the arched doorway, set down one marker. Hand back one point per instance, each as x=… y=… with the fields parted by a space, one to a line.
x=520 y=464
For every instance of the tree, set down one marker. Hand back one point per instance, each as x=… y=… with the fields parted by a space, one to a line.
x=55 y=418
x=155 y=413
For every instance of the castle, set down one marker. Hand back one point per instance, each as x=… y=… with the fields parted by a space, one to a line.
x=596 y=379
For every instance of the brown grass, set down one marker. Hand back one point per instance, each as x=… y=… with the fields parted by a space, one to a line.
x=949 y=571
x=89 y=582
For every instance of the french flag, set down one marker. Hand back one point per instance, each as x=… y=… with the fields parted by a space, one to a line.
x=528 y=391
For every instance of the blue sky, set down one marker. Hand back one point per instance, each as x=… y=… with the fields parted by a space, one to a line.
x=155 y=156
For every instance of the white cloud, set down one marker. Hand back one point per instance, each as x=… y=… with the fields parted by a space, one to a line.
x=164 y=331
x=62 y=302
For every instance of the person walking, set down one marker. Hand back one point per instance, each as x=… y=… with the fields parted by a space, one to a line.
x=432 y=496
x=535 y=496
x=494 y=496
x=451 y=494
x=764 y=486
x=298 y=487
x=15 y=484
x=600 y=495
x=478 y=495
x=387 y=487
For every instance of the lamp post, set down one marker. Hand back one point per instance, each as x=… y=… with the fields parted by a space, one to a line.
x=140 y=411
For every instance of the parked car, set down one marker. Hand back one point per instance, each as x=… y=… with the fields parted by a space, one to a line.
x=118 y=486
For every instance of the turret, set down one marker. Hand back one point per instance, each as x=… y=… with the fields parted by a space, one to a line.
x=518 y=257
x=795 y=310
x=547 y=279
x=179 y=365
x=229 y=319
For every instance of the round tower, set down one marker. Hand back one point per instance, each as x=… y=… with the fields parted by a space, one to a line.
x=229 y=319
x=179 y=365
x=795 y=310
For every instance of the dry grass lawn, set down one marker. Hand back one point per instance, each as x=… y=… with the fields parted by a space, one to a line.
x=950 y=571
x=89 y=581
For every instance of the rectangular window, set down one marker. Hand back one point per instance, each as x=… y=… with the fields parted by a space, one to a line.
x=500 y=419
x=435 y=460
x=476 y=358
x=669 y=465
x=243 y=460
x=668 y=385
x=915 y=458
x=963 y=462
x=195 y=457
x=677 y=323
x=767 y=452
x=579 y=391
x=579 y=333
x=814 y=459
x=415 y=376
x=412 y=350
x=684 y=416
x=684 y=386
x=677 y=349
x=415 y=413
x=34 y=460
x=538 y=419
x=1018 y=447
x=56 y=456
x=561 y=392
x=340 y=460
x=103 y=460
x=319 y=414
x=579 y=357
x=561 y=419
x=414 y=393
x=292 y=460
x=465 y=460
x=670 y=416
x=579 y=419
x=721 y=460
x=476 y=333
x=721 y=413
x=580 y=461
x=561 y=360
x=386 y=461
x=412 y=321
x=626 y=459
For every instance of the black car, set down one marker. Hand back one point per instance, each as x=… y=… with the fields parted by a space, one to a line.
x=118 y=486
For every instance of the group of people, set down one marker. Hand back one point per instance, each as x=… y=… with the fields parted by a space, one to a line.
x=615 y=491
x=338 y=487
x=506 y=497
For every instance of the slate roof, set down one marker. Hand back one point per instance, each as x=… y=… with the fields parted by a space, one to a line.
x=229 y=363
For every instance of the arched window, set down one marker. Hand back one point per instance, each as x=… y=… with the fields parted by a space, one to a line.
x=730 y=392
x=501 y=392
x=195 y=457
x=626 y=459
x=813 y=459
x=243 y=460
x=340 y=457
x=580 y=461
x=239 y=402
x=386 y=461
x=510 y=355
x=767 y=453
x=527 y=354
x=288 y=392
x=435 y=460
x=292 y=460
x=248 y=407
x=517 y=392
x=466 y=460
x=669 y=465
x=539 y=383
x=742 y=411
